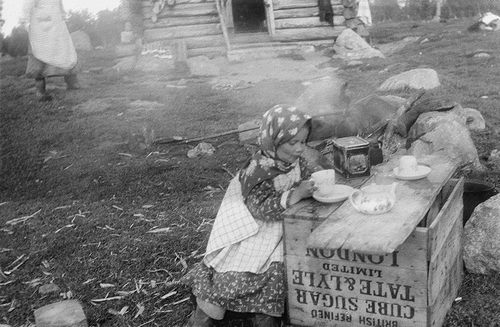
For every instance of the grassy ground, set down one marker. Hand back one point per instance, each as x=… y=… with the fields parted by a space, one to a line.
x=84 y=205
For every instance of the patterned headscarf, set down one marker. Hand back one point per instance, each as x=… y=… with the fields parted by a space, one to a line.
x=279 y=125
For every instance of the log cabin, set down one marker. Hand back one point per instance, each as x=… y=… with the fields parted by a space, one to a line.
x=217 y=27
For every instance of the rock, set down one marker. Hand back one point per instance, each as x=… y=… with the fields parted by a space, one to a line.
x=125 y=64
x=81 y=41
x=350 y=40
x=391 y=48
x=67 y=313
x=473 y=119
x=202 y=66
x=420 y=78
x=351 y=46
x=482 y=55
x=126 y=50
x=48 y=288
x=151 y=64
x=443 y=133
x=201 y=150
x=324 y=96
x=249 y=136
x=354 y=63
x=481 y=238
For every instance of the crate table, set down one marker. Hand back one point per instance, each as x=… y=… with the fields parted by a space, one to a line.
x=399 y=269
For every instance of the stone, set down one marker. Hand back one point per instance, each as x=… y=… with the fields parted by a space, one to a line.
x=473 y=119
x=152 y=64
x=351 y=46
x=443 y=133
x=81 y=41
x=202 y=66
x=48 y=288
x=250 y=136
x=481 y=238
x=201 y=150
x=324 y=96
x=126 y=50
x=125 y=64
x=67 y=313
x=391 y=48
x=350 y=40
x=419 y=78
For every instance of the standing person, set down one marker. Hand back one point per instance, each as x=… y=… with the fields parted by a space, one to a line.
x=51 y=50
x=243 y=268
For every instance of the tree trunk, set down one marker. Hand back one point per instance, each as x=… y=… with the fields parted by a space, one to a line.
x=439 y=5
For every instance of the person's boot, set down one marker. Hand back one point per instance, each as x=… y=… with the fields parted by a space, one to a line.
x=263 y=320
x=200 y=319
x=72 y=82
x=40 y=90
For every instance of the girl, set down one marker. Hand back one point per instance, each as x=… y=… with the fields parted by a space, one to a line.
x=243 y=267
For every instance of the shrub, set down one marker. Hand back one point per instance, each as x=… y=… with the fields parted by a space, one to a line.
x=16 y=44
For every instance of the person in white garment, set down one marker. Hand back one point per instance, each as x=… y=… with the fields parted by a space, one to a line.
x=51 y=50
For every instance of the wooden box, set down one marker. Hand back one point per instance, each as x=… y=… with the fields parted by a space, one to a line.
x=412 y=286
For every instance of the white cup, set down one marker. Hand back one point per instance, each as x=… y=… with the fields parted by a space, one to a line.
x=324 y=180
x=408 y=165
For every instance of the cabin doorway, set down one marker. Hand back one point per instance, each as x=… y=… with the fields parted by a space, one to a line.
x=249 y=16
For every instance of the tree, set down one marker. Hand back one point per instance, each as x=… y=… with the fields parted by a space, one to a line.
x=439 y=5
x=108 y=26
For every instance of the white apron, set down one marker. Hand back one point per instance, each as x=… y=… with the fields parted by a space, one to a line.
x=49 y=36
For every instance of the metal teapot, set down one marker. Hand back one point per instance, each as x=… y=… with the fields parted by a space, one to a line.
x=374 y=199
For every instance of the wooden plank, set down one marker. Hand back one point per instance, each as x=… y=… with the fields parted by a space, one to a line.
x=319 y=294
x=381 y=234
x=184 y=10
x=182 y=32
x=451 y=212
x=205 y=41
x=181 y=21
x=210 y=52
x=301 y=34
x=411 y=254
x=307 y=22
x=443 y=262
x=305 y=12
x=289 y=4
x=437 y=312
x=270 y=19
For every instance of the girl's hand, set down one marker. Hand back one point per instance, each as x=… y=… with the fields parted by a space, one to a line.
x=304 y=190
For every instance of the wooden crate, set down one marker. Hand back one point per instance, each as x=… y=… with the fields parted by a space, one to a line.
x=413 y=286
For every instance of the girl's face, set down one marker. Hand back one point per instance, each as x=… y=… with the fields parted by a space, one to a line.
x=290 y=151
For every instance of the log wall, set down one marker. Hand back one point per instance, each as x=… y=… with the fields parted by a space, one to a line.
x=197 y=23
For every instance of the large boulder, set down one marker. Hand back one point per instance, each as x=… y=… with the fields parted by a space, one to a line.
x=482 y=238
x=81 y=41
x=443 y=133
x=350 y=45
x=420 y=78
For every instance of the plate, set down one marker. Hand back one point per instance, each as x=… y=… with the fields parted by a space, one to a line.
x=422 y=172
x=340 y=193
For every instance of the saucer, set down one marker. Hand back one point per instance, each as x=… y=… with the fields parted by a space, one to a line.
x=421 y=172
x=340 y=193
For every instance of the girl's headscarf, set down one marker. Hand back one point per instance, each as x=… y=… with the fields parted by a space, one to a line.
x=279 y=125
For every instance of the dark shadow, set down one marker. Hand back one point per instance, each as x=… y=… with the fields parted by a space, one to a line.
x=249 y=16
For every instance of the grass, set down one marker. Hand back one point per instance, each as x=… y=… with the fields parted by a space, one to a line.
x=95 y=209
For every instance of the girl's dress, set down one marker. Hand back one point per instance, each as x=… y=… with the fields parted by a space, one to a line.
x=243 y=266
x=51 y=50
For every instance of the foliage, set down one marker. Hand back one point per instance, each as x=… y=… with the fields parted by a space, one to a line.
x=425 y=9
x=16 y=44
x=109 y=26
x=102 y=30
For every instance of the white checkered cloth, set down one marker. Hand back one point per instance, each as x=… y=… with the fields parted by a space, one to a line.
x=239 y=242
